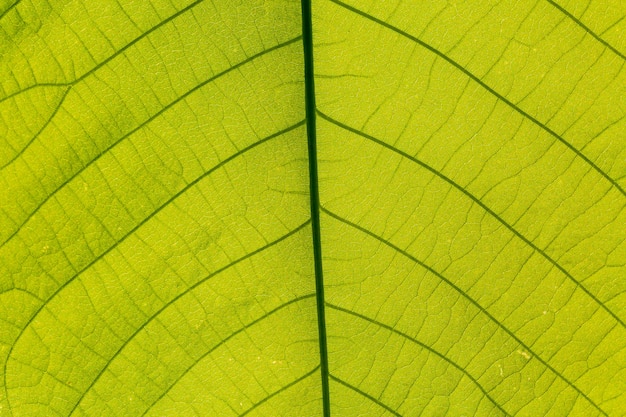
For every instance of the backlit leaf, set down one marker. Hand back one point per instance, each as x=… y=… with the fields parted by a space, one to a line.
x=418 y=212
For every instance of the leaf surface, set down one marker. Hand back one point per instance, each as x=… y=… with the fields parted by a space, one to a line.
x=419 y=210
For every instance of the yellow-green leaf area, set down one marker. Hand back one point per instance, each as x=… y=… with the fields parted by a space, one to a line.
x=380 y=208
x=473 y=211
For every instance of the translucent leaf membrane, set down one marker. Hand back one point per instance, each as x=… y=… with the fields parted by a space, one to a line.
x=156 y=229
x=473 y=225
x=156 y=252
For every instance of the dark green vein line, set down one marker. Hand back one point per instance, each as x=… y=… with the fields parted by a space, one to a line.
x=8 y=9
x=36 y=135
x=8 y=290
x=133 y=230
x=587 y=29
x=148 y=121
x=182 y=294
x=467 y=297
x=617 y=22
x=309 y=87
x=111 y=57
x=423 y=345
x=481 y=204
x=366 y=395
x=275 y=393
x=39 y=85
x=189 y=368
x=486 y=87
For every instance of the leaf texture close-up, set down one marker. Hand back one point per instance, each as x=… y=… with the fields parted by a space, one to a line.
x=312 y=208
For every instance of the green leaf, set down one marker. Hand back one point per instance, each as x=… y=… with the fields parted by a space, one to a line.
x=278 y=208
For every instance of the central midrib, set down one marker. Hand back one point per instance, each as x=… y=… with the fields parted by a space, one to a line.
x=309 y=91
